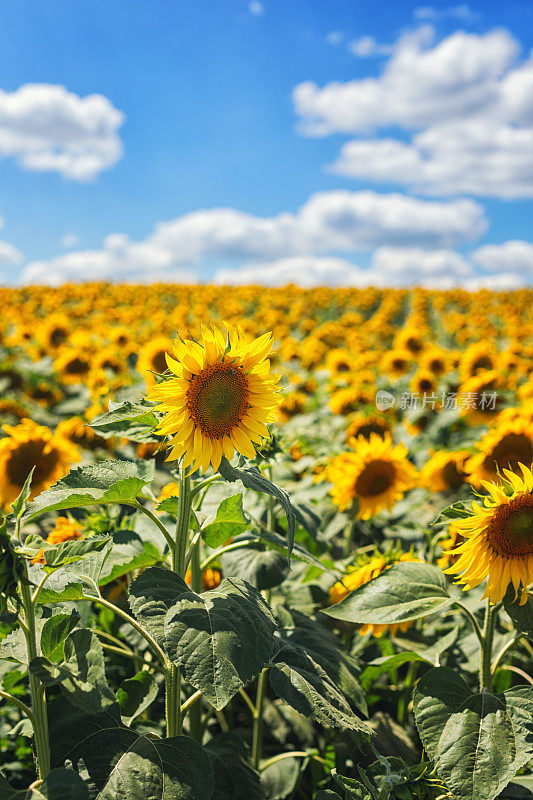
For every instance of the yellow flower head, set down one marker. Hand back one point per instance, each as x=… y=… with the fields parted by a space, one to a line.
x=498 y=538
x=505 y=447
x=220 y=397
x=376 y=475
x=30 y=445
x=363 y=574
x=444 y=472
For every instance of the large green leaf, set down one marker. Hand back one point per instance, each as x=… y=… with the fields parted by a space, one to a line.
x=229 y=522
x=261 y=568
x=304 y=685
x=73 y=581
x=151 y=595
x=326 y=649
x=479 y=741
x=98 y=484
x=251 y=478
x=234 y=777
x=404 y=592
x=81 y=675
x=123 y=765
x=14 y=647
x=135 y=421
x=220 y=639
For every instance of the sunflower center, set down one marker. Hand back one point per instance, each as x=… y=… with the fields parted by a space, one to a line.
x=218 y=399
x=483 y=362
x=58 y=336
x=376 y=478
x=451 y=475
x=514 y=448
x=371 y=427
x=159 y=362
x=510 y=531
x=77 y=366
x=27 y=455
x=425 y=385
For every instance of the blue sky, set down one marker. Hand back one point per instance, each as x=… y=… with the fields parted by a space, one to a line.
x=200 y=111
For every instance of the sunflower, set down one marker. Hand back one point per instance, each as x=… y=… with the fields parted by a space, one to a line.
x=79 y=432
x=65 y=530
x=423 y=382
x=479 y=398
x=363 y=425
x=498 y=538
x=375 y=474
x=72 y=364
x=54 y=332
x=363 y=574
x=346 y=401
x=436 y=361
x=292 y=404
x=506 y=446
x=220 y=397
x=30 y=445
x=476 y=358
x=396 y=363
x=445 y=471
x=153 y=358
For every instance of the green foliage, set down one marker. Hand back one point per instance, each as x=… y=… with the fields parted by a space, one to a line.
x=229 y=522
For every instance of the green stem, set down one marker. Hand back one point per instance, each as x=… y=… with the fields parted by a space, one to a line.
x=134 y=624
x=257 y=734
x=156 y=521
x=474 y=622
x=505 y=649
x=204 y=485
x=23 y=707
x=227 y=549
x=485 y=674
x=173 y=700
x=38 y=699
x=292 y=754
x=195 y=714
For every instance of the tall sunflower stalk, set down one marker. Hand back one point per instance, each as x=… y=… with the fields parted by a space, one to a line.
x=218 y=400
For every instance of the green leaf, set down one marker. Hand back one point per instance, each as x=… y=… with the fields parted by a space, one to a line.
x=458 y=510
x=129 y=552
x=261 y=568
x=303 y=684
x=82 y=675
x=136 y=694
x=18 y=506
x=124 y=765
x=479 y=741
x=252 y=479
x=55 y=631
x=61 y=784
x=280 y=779
x=234 y=777
x=522 y=616
x=73 y=581
x=405 y=591
x=327 y=650
x=98 y=484
x=64 y=553
x=135 y=421
x=229 y=522
x=151 y=595
x=220 y=639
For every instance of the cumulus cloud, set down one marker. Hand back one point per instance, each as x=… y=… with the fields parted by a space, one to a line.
x=465 y=101
x=329 y=222
x=305 y=271
x=10 y=255
x=46 y=128
x=256 y=8
x=514 y=256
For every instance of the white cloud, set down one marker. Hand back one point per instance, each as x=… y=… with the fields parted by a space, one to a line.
x=46 y=128
x=465 y=103
x=306 y=271
x=502 y=282
x=367 y=46
x=10 y=255
x=515 y=256
x=416 y=266
x=256 y=8
x=462 y=12
x=69 y=241
x=328 y=223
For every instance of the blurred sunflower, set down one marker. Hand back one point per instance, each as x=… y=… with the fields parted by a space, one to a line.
x=476 y=358
x=152 y=358
x=423 y=382
x=396 y=363
x=506 y=446
x=364 y=573
x=479 y=398
x=220 y=398
x=445 y=471
x=72 y=364
x=498 y=538
x=363 y=425
x=436 y=361
x=375 y=475
x=292 y=403
x=30 y=445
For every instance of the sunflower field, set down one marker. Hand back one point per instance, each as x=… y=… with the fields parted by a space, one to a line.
x=265 y=544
